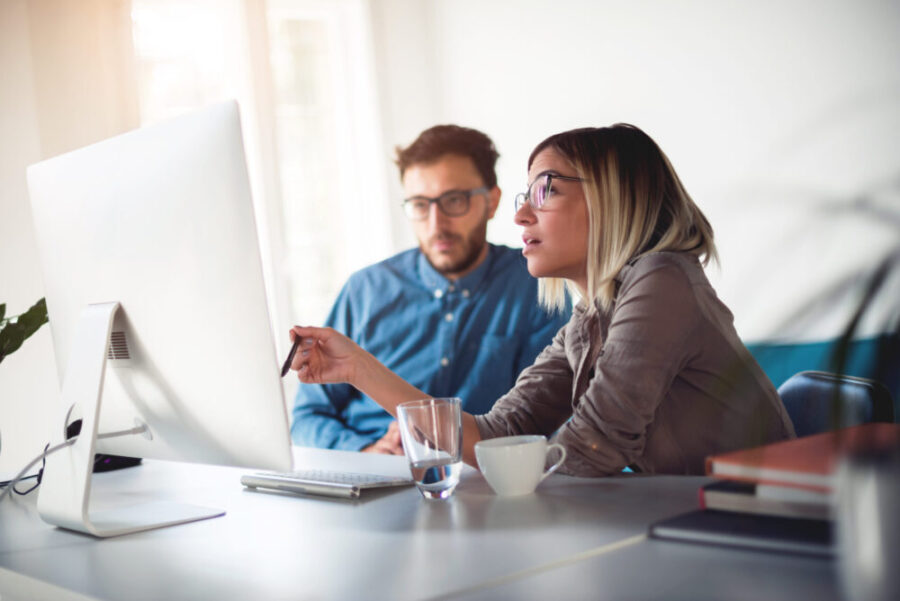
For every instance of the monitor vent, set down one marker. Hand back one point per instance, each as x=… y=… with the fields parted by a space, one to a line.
x=118 y=346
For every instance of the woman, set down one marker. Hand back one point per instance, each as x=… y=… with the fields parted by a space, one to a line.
x=649 y=372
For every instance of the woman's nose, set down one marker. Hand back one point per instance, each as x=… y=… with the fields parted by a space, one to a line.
x=524 y=215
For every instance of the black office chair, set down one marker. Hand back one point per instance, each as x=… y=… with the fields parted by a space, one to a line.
x=818 y=401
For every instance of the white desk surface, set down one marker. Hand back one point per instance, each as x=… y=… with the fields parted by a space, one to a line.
x=574 y=538
x=673 y=571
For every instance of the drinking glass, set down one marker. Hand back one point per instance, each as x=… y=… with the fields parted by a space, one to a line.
x=431 y=430
x=867 y=525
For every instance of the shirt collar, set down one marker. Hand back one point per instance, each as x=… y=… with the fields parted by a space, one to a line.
x=581 y=307
x=620 y=277
x=434 y=280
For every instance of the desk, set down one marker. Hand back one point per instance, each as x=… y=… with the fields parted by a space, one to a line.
x=673 y=571
x=565 y=541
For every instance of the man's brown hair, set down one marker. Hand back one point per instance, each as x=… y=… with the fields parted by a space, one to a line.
x=440 y=140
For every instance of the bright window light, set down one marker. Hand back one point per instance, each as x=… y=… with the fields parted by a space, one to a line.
x=301 y=71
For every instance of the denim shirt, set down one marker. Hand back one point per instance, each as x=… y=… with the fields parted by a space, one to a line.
x=468 y=338
x=658 y=382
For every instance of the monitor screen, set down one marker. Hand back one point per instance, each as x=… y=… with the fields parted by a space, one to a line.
x=160 y=220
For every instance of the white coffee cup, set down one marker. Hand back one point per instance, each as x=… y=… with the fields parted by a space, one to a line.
x=514 y=465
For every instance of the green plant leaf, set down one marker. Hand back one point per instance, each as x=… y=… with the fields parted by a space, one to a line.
x=11 y=338
x=13 y=334
x=33 y=318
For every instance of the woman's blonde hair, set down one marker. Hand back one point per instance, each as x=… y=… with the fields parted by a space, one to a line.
x=636 y=206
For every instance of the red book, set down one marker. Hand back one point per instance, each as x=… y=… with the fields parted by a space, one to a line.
x=809 y=462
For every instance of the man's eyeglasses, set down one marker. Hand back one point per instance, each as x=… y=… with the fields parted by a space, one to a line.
x=454 y=203
x=540 y=190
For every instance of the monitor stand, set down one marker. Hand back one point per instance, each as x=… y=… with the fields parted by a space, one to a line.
x=65 y=489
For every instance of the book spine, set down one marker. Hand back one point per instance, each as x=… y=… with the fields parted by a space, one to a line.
x=773 y=482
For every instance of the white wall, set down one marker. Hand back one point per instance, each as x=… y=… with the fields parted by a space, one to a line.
x=50 y=50
x=408 y=77
x=27 y=377
x=760 y=106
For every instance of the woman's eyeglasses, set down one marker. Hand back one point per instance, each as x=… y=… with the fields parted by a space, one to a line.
x=540 y=190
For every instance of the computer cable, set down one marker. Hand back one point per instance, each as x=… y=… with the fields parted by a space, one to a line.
x=48 y=450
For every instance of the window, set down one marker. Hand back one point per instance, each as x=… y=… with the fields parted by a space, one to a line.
x=302 y=73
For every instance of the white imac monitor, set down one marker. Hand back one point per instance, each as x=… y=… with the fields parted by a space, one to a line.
x=158 y=311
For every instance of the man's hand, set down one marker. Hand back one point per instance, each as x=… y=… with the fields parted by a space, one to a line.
x=389 y=444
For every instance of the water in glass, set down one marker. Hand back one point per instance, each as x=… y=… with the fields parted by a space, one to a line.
x=436 y=478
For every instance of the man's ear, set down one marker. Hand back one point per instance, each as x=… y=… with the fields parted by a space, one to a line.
x=493 y=197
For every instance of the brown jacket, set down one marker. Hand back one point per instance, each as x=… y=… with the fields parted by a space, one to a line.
x=657 y=383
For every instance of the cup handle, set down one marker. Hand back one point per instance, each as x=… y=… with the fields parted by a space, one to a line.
x=559 y=462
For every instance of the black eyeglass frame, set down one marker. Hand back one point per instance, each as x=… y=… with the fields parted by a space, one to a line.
x=522 y=197
x=439 y=200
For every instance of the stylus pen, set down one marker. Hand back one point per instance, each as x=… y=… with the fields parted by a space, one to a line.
x=290 y=357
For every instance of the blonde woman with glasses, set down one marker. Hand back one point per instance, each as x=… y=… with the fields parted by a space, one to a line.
x=649 y=372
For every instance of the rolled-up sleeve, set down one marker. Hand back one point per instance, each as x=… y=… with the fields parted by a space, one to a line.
x=648 y=342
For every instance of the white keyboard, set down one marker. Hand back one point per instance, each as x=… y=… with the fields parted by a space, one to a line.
x=322 y=482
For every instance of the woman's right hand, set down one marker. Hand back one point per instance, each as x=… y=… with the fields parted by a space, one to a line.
x=325 y=356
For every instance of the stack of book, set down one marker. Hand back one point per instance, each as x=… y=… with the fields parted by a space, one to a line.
x=777 y=497
x=793 y=478
x=767 y=499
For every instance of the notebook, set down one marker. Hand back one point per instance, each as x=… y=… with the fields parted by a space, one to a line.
x=329 y=483
x=784 y=501
x=760 y=532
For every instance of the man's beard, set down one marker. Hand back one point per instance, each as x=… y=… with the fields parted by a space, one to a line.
x=475 y=244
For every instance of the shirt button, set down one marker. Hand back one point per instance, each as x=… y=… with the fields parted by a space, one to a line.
x=445 y=362
x=448 y=317
x=451 y=288
x=438 y=293
x=465 y=293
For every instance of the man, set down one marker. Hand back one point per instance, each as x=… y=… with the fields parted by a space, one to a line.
x=456 y=316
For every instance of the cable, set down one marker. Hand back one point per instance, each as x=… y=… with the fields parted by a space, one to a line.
x=24 y=471
x=50 y=450
x=36 y=476
x=136 y=430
